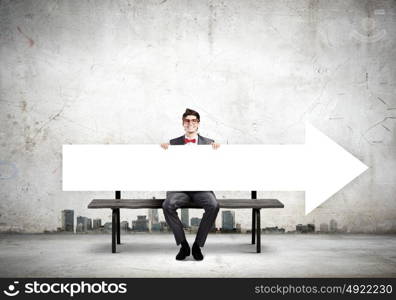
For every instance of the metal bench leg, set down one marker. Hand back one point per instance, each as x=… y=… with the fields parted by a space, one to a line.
x=118 y=227
x=253 y=225
x=253 y=195
x=116 y=232
x=258 y=230
x=113 y=230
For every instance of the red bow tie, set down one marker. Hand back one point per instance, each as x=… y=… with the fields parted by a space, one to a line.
x=189 y=141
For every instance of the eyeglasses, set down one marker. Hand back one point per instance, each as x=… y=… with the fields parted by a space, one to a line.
x=194 y=121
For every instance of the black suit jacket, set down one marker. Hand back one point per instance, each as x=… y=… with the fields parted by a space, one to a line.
x=201 y=140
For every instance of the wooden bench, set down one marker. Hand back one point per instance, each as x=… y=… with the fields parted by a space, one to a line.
x=118 y=203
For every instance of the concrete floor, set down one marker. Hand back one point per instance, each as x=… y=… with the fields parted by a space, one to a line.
x=226 y=255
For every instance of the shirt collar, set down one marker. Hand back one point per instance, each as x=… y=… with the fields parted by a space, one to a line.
x=195 y=137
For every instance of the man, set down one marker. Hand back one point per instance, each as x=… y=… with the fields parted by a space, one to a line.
x=176 y=199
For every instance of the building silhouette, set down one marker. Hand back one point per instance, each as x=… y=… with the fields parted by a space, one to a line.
x=153 y=215
x=195 y=221
x=164 y=226
x=333 y=225
x=184 y=217
x=80 y=227
x=324 y=227
x=107 y=227
x=195 y=224
x=86 y=224
x=156 y=227
x=124 y=226
x=227 y=220
x=89 y=224
x=68 y=220
x=273 y=230
x=305 y=228
x=154 y=224
x=96 y=224
x=141 y=224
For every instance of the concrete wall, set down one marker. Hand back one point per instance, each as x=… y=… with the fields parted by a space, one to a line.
x=124 y=72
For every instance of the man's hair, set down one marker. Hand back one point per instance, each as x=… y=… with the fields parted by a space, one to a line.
x=190 y=112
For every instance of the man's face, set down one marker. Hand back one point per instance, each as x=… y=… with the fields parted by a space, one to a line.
x=190 y=124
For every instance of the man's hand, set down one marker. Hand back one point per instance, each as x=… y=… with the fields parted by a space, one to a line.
x=215 y=145
x=165 y=145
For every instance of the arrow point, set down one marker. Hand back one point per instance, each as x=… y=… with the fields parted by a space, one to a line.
x=329 y=168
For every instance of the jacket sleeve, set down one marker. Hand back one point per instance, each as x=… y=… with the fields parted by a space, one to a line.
x=173 y=141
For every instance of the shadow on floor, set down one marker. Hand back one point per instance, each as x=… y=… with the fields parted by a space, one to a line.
x=161 y=248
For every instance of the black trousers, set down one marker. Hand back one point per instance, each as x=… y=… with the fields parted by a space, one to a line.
x=175 y=199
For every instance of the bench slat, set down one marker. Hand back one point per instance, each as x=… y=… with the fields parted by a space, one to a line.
x=157 y=203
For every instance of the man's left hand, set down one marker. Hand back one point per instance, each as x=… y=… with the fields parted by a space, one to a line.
x=215 y=145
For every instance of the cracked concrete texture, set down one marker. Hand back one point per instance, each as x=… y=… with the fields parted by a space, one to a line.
x=109 y=72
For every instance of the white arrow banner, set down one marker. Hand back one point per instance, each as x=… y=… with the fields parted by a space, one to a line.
x=319 y=167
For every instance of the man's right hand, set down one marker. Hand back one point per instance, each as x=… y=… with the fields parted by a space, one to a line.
x=165 y=145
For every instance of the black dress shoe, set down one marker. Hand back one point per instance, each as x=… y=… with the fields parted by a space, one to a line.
x=196 y=252
x=184 y=251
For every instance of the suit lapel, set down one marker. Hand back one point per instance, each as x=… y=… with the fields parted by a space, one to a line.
x=182 y=140
x=200 y=141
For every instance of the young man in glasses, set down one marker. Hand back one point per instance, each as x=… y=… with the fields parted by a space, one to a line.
x=176 y=199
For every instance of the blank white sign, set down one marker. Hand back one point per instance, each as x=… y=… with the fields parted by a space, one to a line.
x=320 y=167
x=198 y=168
